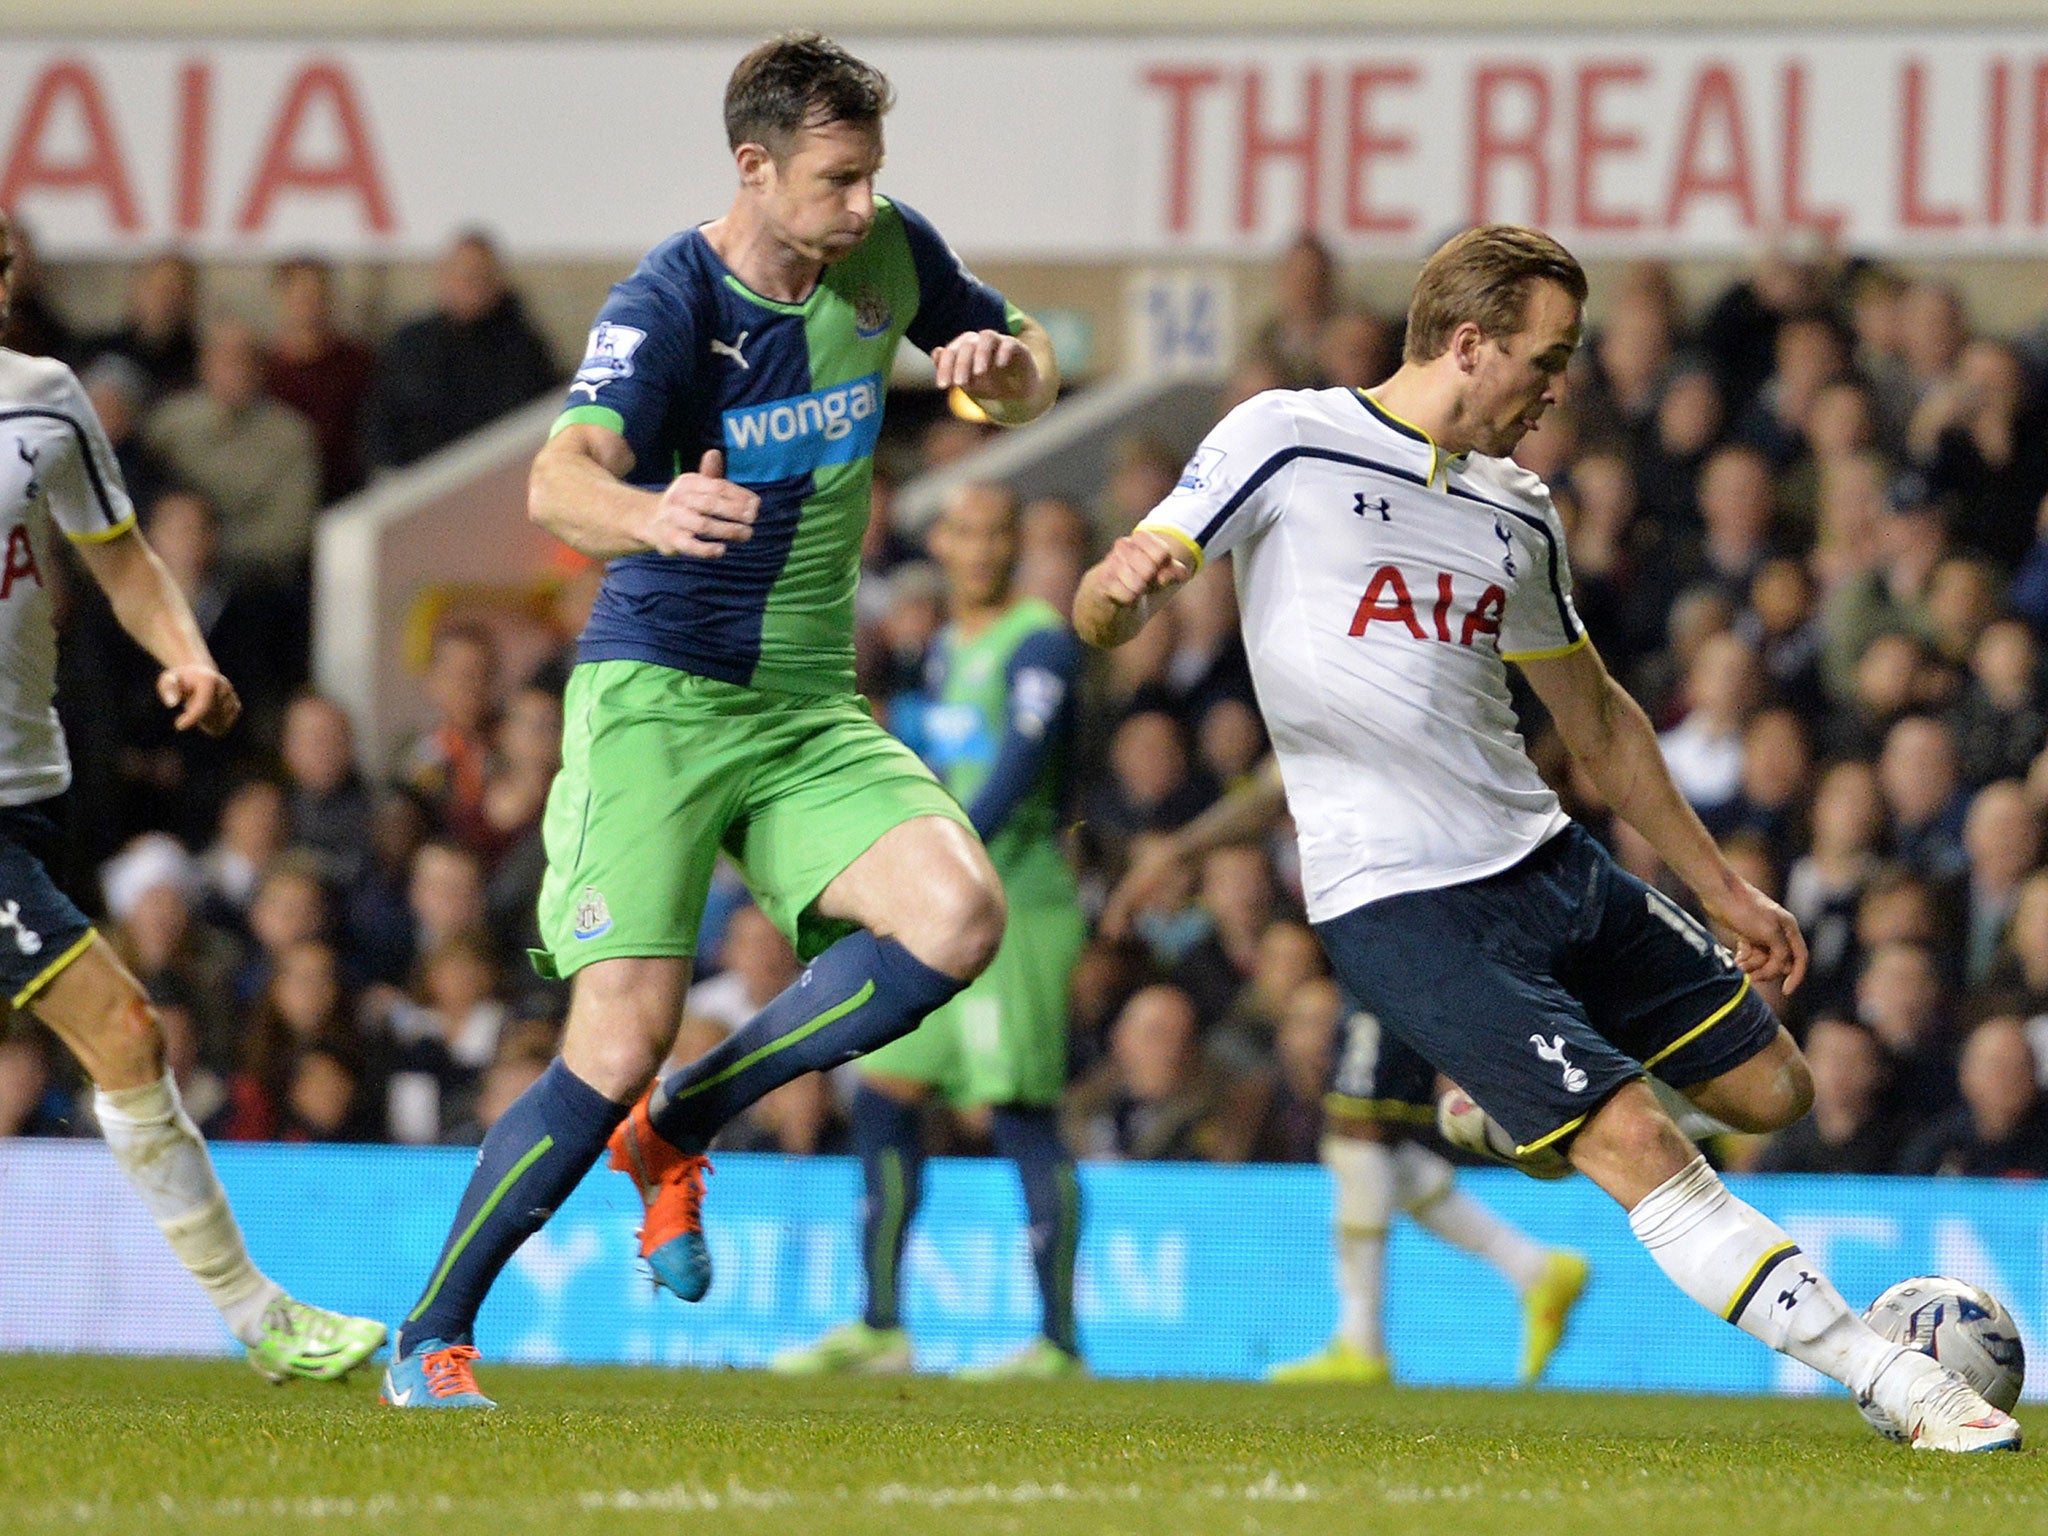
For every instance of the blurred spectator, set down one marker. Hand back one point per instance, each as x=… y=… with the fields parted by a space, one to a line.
x=1236 y=898
x=460 y=367
x=251 y=455
x=1150 y=787
x=1771 y=796
x=524 y=1051
x=378 y=904
x=446 y=895
x=149 y=887
x=1892 y=594
x=253 y=831
x=448 y=763
x=799 y=1119
x=1230 y=742
x=1155 y=1097
x=1304 y=302
x=30 y=1103
x=2002 y=838
x=1923 y=791
x=1142 y=473
x=1108 y=975
x=2000 y=1130
x=1697 y=615
x=1808 y=354
x=1740 y=329
x=1690 y=417
x=317 y=371
x=1357 y=350
x=1962 y=602
x=1704 y=750
x=328 y=802
x=120 y=393
x=1876 y=315
x=755 y=963
x=1851 y=494
x=1621 y=568
x=522 y=769
x=290 y=907
x=443 y=1038
x=159 y=328
x=1932 y=333
x=2022 y=971
x=260 y=641
x=1782 y=627
x=1981 y=435
x=1847 y=1130
x=1631 y=356
x=302 y=1006
x=1899 y=998
x=1824 y=886
x=1736 y=506
x=324 y=1100
x=2000 y=721
x=1054 y=546
x=1290 y=1126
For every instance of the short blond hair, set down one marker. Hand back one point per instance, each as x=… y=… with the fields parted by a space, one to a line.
x=1484 y=276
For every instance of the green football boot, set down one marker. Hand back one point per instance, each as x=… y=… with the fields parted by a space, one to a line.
x=311 y=1343
x=852 y=1349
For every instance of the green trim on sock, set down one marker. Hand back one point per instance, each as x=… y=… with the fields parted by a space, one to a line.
x=804 y=1032
x=882 y=1254
x=476 y=1222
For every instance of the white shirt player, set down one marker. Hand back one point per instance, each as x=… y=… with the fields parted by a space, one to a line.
x=1382 y=586
x=56 y=466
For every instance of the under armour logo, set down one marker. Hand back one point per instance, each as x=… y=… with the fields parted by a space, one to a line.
x=1788 y=1299
x=1507 y=558
x=1575 y=1079
x=1361 y=506
x=731 y=349
x=26 y=939
x=34 y=489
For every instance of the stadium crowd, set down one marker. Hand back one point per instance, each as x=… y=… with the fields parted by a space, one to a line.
x=1809 y=529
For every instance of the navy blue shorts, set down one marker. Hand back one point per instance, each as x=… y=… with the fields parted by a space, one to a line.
x=1378 y=1076
x=41 y=929
x=1544 y=988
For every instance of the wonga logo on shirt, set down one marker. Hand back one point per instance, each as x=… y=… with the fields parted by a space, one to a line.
x=784 y=438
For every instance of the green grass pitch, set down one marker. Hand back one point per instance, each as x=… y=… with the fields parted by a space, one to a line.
x=125 y=1446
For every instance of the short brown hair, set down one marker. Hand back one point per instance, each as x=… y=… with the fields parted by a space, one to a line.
x=796 y=81
x=1484 y=276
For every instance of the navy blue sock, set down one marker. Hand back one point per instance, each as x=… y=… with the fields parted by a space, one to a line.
x=1052 y=1195
x=861 y=993
x=532 y=1159
x=886 y=1135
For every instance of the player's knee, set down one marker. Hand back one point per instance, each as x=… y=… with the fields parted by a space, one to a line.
x=962 y=924
x=1782 y=1095
x=1631 y=1131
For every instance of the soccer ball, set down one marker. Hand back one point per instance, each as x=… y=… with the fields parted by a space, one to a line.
x=1964 y=1328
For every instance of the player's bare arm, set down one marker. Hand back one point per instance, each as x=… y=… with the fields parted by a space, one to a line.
x=578 y=492
x=1122 y=590
x=153 y=611
x=1243 y=815
x=1012 y=378
x=1613 y=739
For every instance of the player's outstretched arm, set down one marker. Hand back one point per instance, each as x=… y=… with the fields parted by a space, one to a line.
x=1614 y=741
x=1012 y=378
x=1118 y=594
x=577 y=491
x=152 y=609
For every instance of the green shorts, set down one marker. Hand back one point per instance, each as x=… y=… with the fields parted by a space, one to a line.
x=661 y=769
x=1003 y=1040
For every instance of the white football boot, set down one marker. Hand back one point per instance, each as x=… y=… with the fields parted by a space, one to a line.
x=1942 y=1412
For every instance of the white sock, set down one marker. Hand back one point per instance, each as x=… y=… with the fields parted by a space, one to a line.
x=1425 y=1190
x=164 y=1157
x=1740 y=1265
x=1364 y=1172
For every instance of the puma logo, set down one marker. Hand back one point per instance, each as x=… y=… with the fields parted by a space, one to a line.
x=732 y=348
x=1575 y=1078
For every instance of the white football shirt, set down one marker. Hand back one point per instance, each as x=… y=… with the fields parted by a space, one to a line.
x=1382 y=585
x=56 y=466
